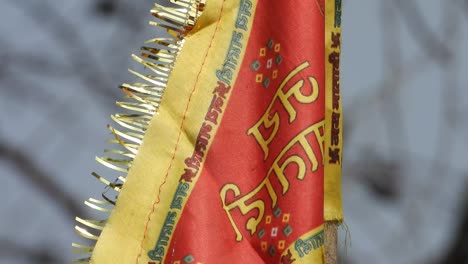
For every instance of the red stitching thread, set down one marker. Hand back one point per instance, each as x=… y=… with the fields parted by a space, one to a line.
x=178 y=137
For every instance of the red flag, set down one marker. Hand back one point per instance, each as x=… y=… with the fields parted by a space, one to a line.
x=231 y=169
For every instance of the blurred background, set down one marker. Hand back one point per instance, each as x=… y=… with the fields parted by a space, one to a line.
x=404 y=77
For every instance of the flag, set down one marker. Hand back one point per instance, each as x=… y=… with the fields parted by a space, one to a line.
x=231 y=152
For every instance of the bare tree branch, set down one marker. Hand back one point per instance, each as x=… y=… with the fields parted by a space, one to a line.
x=458 y=250
x=357 y=108
x=85 y=65
x=39 y=255
x=433 y=46
x=35 y=64
x=391 y=109
x=35 y=175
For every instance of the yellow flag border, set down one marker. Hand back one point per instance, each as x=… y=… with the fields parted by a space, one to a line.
x=143 y=100
x=333 y=209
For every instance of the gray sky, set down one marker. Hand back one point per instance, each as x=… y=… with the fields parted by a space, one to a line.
x=50 y=110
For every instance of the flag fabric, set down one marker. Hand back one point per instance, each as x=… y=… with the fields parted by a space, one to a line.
x=234 y=155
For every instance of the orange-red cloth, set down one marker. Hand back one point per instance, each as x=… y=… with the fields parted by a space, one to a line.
x=231 y=169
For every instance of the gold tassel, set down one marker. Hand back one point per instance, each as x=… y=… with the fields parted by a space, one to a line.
x=142 y=102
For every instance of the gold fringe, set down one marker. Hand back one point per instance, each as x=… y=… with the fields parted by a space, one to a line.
x=82 y=260
x=85 y=233
x=96 y=224
x=142 y=102
x=97 y=207
x=82 y=249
